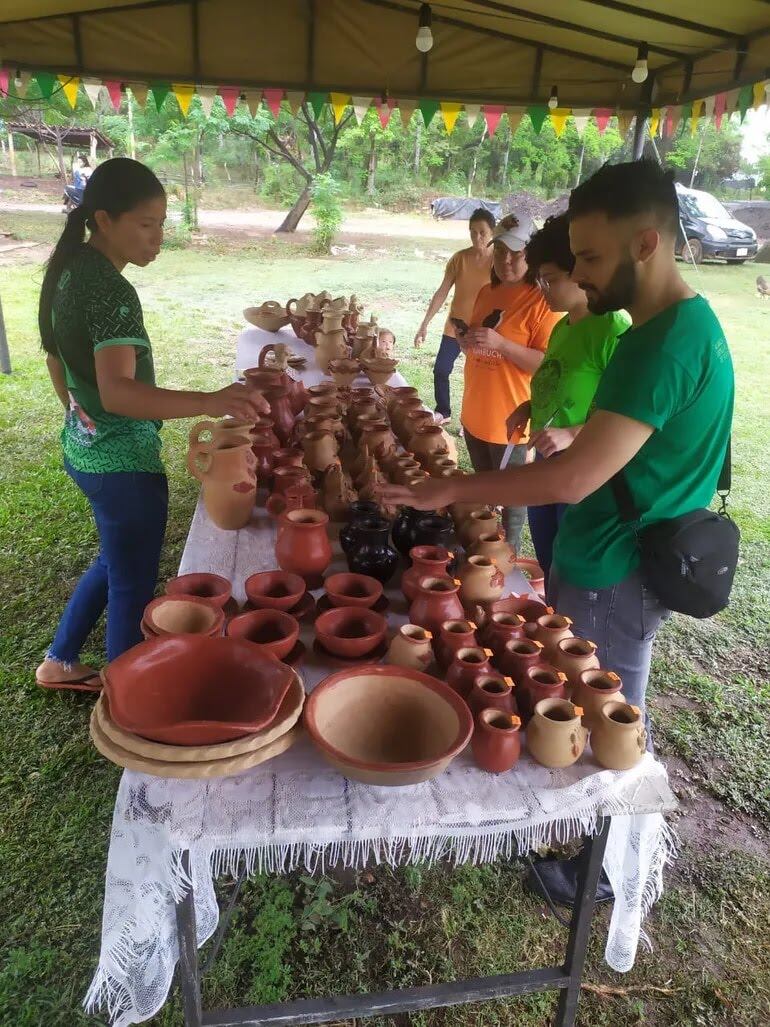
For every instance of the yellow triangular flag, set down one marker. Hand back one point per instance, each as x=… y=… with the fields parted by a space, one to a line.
x=654 y=121
x=758 y=92
x=559 y=119
x=139 y=92
x=184 y=94
x=295 y=100
x=407 y=108
x=514 y=118
x=339 y=102
x=697 y=107
x=449 y=112
x=69 y=86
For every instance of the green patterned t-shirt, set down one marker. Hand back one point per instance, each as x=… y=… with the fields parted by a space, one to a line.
x=95 y=306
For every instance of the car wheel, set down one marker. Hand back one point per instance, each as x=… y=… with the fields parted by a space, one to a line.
x=692 y=251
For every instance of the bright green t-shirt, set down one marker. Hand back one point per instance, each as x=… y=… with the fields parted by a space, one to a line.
x=95 y=306
x=566 y=381
x=674 y=373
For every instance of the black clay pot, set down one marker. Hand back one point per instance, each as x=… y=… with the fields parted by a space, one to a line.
x=360 y=511
x=372 y=554
x=402 y=532
x=432 y=529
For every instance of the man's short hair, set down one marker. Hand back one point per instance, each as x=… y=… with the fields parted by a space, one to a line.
x=625 y=190
x=549 y=245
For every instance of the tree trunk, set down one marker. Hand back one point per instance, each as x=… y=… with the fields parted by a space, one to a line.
x=12 y=154
x=370 y=186
x=293 y=218
x=506 y=158
x=580 y=166
x=60 y=156
x=417 y=146
x=472 y=176
x=131 y=139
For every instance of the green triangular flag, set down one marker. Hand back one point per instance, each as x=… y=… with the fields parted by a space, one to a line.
x=317 y=102
x=46 y=81
x=745 y=99
x=428 y=109
x=160 y=91
x=537 y=116
x=685 y=117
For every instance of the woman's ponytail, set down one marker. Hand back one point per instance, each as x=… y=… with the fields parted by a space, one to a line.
x=71 y=238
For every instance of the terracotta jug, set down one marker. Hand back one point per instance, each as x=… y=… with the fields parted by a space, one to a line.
x=550 y=630
x=377 y=438
x=492 y=692
x=359 y=409
x=263 y=430
x=330 y=346
x=618 y=737
x=411 y=647
x=427 y=562
x=497 y=548
x=501 y=628
x=454 y=635
x=220 y=431
x=496 y=741
x=427 y=442
x=437 y=600
x=310 y=325
x=303 y=545
x=480 y=581
x=299 y=307
x=467 y=665
x=594 y=689
x=285 y=478
x=281 y=413
x=229 y=481
x=573 y=656
x=541 y=681
x=263 y=454
x=400 y=414
x=555 y=734
x=406 y=469
x=516 y=656
x=398 y=393
x=320 y=449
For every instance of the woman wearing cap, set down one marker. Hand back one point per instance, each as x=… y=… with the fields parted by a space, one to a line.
x=504 y=346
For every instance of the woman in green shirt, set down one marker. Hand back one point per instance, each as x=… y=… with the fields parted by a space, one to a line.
x=100 y=361
x=564 y=385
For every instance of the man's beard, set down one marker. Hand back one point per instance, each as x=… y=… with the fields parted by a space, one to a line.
x=619 y=293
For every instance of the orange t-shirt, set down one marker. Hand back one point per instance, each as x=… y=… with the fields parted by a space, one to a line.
x=468 y=277
x=494 y=386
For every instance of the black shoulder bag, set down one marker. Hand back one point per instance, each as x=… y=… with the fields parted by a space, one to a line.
x=689 y=561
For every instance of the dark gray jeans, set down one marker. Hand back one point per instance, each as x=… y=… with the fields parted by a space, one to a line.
x=486 y=456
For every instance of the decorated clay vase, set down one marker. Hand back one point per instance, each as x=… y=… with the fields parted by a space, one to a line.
x=330 y=346
x=427 y=562
x=594 y=689
x=496 y=547
x=320 y=449
x=496 y=741
x=281 y=412
x=555 y=735
x=517 y=656
x=550 y=630
x=411 y=647
x=284 y=479
x=479 y=522
x=501 y=628
x=220 y=431
x=359 y=511
x=492 y=691
x=336 y=491
x=277 y=351
x=372 y=554
x=573 y=656
x=480 y=581
x=618 y=736
x=467 y=665
x=412 y=422
x=540 y=682
x=427 y=442
x=303 y=545
x=437 y=600
x=229 y=482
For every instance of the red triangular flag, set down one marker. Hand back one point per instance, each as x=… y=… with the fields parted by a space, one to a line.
x=492 y=114
x=4 y=77
x=668 y=130
x=229 y=96
x=113 y=88
x=720 y=102
x=603 y=115
x=385 y=108
x=272 y=98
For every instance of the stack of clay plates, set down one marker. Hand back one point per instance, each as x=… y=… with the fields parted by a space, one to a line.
x=202 y=761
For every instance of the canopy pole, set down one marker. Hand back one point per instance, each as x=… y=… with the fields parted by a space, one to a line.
x=5 y=356
x=640 y=131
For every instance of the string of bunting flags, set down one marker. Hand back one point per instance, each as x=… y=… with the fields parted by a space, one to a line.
x=665 y=121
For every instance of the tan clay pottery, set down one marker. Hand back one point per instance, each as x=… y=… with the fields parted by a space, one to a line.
x=299 y=307
x=269 y=316
x=379 y=369
x=325 y=388
x=480 y=581
x=427 y=562
x=411 y=647
x=454 y=635
x=400 y=412
x=594 y=689
x=377 y=438
x=321 y=422
x=492 y=692
x=183 y=615
x=497 y=548
x=437 y=600
x=541 y=681
x=337 y=493
x=550 y=629
x=220 y=431
x=618 y=737
x=331 y=320
x=573 y=656
x=481 y=521
x=361 y=408
x=275 y=590
x=274 y=631
x=279 y=354
x=398 y=393
x=501 y=628
x=426 y=443
x=517 y=656
x=440 y=465
x=344 y=371
x=303 y=545
x=229 y=482
x=496 y=742
x=467 y=665
x=555 y=735
x=320 y=449
x=330 y=346
x=310 y=326
x=350 y=632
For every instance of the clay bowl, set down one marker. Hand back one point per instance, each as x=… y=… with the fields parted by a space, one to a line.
x=269 y=322
x=353 y=590
x=344 y=371
x=274 y=590
x=274 y=631
x=350 y=632
x=191 y=690
x=387 y=725
x=183 y=615
x=213 y=587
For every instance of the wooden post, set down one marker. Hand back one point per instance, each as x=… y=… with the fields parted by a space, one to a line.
x=5 y=357
x=131 y=140
x=12 y=154
x=93 y=149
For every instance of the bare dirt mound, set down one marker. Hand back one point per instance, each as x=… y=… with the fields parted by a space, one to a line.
x=534 y=206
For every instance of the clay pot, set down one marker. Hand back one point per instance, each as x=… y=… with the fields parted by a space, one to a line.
x=541 y=681
x=534 y=574
x=480 y=581
x=303 y=545
x=263 y=378
x=526 y=606
x=573 y=656
x=329 y=423
x=361 y=510
x=274 y=590
x=492 y=692
x=322 y=389
x=402 y=532
x=497 y=548
x=221 y=431
x=440 y=466
x=550 y=629
x=501 y=628
x=414 y=420
x=377 y=437
x=353 y=590
x=594 y=689
x=331 y=320
x=401 y=468
x=360 y=409
x=437 y=530
x=437 y=600
x=182 y=615
x=281 y=412
x=517 y=656
x=453 y=635
x=350 y=632
x=337 y=493
x=228 y=477
x=330 y=346
x=428 y=442
x=301 y=496
x=427 y=562
x=320 y=449
x=290 y=457
x=555 y=735
x=263 y=452
x=398 y=393
x=618 y=737
x=263 y=432
x=496 y=742
x=400 y=414
x=212 y=587
x=285 y=478
x=479 y=522
x=379 y=369
x=344 y=371
x=411 y=647
x=467 y=665
x=371 y=554
x=296 y=394
x=274 y=631
x=278 y=350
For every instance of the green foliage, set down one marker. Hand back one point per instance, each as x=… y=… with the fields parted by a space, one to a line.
x=718 y=154
x=325 y=203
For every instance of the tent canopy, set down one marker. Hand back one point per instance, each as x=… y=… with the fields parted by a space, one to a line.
x=485 y=51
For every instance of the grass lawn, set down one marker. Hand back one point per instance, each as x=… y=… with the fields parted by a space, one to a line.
x=710 y=702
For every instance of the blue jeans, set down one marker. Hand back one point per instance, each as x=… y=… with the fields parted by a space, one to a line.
x=486 y=456
x=130 y=510
x=448 y=352
x=543 y=525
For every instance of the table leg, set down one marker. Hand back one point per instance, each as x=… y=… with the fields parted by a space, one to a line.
x=187 y=971
x=580 y=924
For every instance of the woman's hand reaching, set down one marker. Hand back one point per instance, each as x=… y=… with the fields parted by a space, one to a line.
x=237 y=400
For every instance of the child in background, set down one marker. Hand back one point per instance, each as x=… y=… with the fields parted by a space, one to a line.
x=386 y=342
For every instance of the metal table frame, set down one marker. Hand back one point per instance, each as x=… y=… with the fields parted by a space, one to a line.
x=566 y=978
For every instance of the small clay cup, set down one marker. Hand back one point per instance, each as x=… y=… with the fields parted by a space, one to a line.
x=183 y=615
x=274 y=590
x=213 y=587
x=274 y=631
x=358 y=590
x=350 y=632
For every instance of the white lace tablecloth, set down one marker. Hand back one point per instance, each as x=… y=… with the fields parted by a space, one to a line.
x=295 y=811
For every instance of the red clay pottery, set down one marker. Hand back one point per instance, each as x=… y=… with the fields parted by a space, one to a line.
x=496 y=742
x=533 y=572
x=216 y=589
x=263 y=451
x=359 y=511
x=479 y=522
x=480 y=581
x=495 y=546
x=281 y=412
x=353 y=590
x=437 y=600
x=285 y=478
x=540 y=682
x=192 y=690
x=289 y=457
x=573 y=656
x=229 y=482
x=263 y=377
x=322 y=389
x=555 y=734
x=330 y=346
x=296 y=394
x=275 y=590
x=619 y=737
x=336 y=492
x=411 y=646
x=526 y=606
x=372 y=555
x=183 y=615
x=467 y=665
x=433 y=529
x=386 y=725
x=594 y=689
x=301 y=496
x=491 y=691
x=454 y=635
x=350 y=631
x=501 y=628
x=550 y=629
x=517 y=656
x=427 y=562
x=274 y=631
x=344 y=371
x=303 y=545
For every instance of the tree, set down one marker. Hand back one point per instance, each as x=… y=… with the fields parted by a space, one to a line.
x=710 y=154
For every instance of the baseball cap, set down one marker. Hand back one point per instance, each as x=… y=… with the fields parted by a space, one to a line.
x=515 y=238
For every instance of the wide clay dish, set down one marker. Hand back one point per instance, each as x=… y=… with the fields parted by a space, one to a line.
x=180 y=614
x=387 y=725
x=268 y=322
x=192 y=690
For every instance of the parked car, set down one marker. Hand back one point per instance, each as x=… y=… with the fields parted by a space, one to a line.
x=711 y=230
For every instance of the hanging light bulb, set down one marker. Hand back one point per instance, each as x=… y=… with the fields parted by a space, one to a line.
x=424 y=40
x=640 y=72
x=553 y=100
